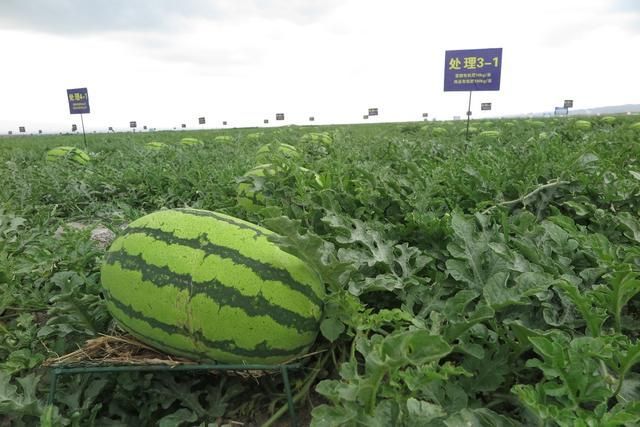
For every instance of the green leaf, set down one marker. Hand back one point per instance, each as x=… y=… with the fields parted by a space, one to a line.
x=415 y=347
x=631 y=224
x=586 y=304
x=24 y=402
x=318 y=253
x=331 y=328
x=420 y=411
x=623 y=285
x=178 y=418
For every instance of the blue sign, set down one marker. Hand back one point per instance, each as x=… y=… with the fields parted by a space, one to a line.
x=472 y=69
x=78 y=101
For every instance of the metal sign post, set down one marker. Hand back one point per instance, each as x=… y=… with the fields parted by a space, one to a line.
x=469 y=114
x=133 y=126
x=472 y=70
x=79 y=104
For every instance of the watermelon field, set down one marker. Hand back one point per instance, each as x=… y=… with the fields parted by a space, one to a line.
x=489 y=281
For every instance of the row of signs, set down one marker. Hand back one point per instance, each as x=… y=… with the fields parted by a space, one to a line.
x=465 y=70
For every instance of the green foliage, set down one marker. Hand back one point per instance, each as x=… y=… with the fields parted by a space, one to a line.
x=485 y=282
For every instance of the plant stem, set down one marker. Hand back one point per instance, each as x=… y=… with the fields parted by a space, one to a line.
x=550 y=184
x=300 y=394
x=374 y=392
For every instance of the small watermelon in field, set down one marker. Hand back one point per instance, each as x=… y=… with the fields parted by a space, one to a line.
x=73 y=154
x=608 y=120
x=268 y=151
x=472 y=130
x=155 y=145
x=223 y=138
x=438 y=131
x=191 y=142
x=211 y=287
x=489 y=134
x=544 y=135
x=582 y=124
x=635 y=126
x=321 y=137
x=254 y=136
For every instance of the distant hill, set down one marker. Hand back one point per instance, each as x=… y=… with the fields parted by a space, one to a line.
x=614 y=109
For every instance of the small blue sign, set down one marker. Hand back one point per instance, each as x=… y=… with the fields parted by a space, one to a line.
x=78 y=101
x=472 y=69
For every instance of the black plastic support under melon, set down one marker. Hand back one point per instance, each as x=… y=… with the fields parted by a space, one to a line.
x=59 y=370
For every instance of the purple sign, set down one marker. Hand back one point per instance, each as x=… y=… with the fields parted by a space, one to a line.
x=472 y=70
x=78 y=101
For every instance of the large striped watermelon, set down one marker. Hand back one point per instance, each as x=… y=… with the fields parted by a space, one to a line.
x=209 y=286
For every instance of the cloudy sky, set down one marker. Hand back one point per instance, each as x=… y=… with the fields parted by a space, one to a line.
x=166 y=62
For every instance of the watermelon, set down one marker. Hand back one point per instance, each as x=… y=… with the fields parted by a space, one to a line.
x=439 y=131
x=155 y=145
x=582 y=124
x=489 y=134
x=223 y=138
x=609 y=120
x=191 y=141
x=635 y=126
x=73 y=154
x=267 y=152
x=321 y=137
x=472 y=130
x=254 y=136
x=211 y=287
x=544 y=135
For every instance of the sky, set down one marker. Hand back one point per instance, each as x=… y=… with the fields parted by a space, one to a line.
x=164 y=62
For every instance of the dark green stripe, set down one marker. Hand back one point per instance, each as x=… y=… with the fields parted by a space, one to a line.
x=262 y=349
x=196 y=355
x=217 y=291
x=262 y=270
x=219 y=217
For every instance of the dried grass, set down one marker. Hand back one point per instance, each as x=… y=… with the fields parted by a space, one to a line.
x=125 y=350
x=116 y=350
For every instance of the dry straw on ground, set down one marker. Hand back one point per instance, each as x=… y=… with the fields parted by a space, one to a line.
x=125 y=350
